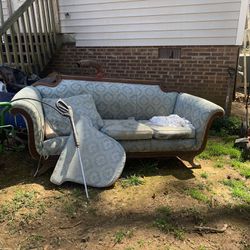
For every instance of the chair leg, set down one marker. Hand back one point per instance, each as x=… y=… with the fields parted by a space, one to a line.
x=190 y=159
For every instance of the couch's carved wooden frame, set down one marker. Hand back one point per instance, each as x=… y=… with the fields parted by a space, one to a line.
x=54 y=79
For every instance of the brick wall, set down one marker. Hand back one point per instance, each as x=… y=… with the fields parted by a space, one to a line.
x=201 y=70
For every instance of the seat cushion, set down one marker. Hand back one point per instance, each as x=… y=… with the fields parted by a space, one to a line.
x=82 y=105
x=167 y=132
x=126 y=130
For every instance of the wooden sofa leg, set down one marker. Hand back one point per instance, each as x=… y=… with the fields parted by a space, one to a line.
x=190 y=159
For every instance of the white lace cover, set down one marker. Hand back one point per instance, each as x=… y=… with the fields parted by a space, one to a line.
x=171 y=121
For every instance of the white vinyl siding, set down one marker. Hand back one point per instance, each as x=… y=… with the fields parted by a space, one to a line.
x=5 y=10
x=13 y=4
x=151 y=22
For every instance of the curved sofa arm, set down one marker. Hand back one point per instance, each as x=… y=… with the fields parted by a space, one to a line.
x=200 y=112
x=32 y=112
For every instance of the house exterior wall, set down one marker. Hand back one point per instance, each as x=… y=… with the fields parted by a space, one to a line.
x=152 y=22
x=5 y=10
x=200 y=70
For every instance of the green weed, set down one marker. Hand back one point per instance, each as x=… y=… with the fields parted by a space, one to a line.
x=204 y=175
x=165 y=224
x=196 y=215
x=132 y=180
x=243 y=168
x=227 y=125
x=198 y=195
x=21 y=199
x=166 y=211
x=239 y=189
x=218 y=149
x=219 y=164
x=202 y=248
x=70 y=208
x=141 y=243
x=33 y=241
x=121 y=234
x=24 y=199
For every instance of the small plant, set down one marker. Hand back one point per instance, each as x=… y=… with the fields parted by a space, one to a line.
x=70 y=208
x=196 y=215
x=227 y=125
x=132 y=180
x=202 y=248
x=24 y=199
x=218 y=165
x=166 y=211
x=239 y=189
x=5 y=211
x=198 y=195
x=204 y=175
x=33 y=241
x=243 y=168
x=141 y=243
x=121 y=234
x=165 y=224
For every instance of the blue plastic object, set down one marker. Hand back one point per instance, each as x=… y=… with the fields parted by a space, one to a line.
x=17 y=122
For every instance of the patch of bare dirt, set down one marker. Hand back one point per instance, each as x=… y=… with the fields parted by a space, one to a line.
x=158 y=213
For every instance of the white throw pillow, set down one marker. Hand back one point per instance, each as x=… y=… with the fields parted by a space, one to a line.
x=82 y=105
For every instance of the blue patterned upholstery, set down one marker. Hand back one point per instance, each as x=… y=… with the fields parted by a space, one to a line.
x=121 y=101
x=55 y=146
x=82 y=105
x=116 y=100
x=198 y=111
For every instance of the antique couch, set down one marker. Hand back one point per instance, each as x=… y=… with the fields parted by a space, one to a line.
x=121 y=101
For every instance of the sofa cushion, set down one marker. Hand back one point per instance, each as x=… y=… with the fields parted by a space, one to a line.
x=126 y=130
x=82 y=105
x=168 y=132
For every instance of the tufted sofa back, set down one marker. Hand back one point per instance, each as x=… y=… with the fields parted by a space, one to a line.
x=117 y=100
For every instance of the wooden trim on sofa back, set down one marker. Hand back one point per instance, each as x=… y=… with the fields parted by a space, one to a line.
x=54 y=79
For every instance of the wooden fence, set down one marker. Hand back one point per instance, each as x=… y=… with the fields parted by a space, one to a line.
x=28 y=37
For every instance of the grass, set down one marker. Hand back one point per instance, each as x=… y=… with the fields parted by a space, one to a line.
x=196 y=193
x=32 y=242
x=24 y=199
x=70 y=208
x=167 y=227
x=217 y=149
x=164 y=223
x=219 y=164
x=202 y=248
x=238 y=189
x=242 y=168
x=204 y=175
x=21 y=199
x=24 y=203
x=132 y=180
x=120 y=235
x=224 y=153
